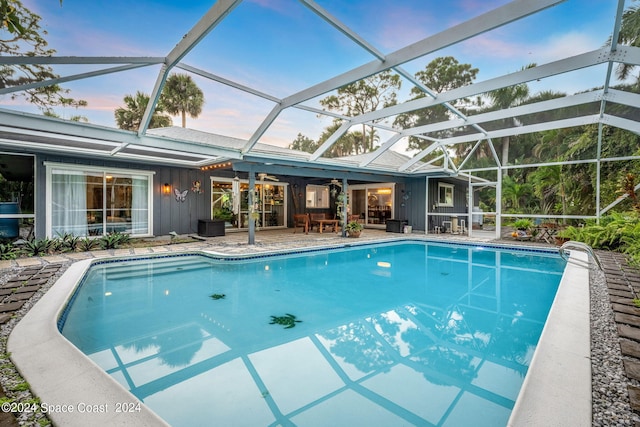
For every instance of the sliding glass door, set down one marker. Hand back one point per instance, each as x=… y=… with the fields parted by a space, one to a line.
x=373 y=203
x=94 y=202
x=230 y=202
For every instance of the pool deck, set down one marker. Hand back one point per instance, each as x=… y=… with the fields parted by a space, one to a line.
x=29 y=275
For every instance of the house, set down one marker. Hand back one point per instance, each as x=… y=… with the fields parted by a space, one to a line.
x=60 y=183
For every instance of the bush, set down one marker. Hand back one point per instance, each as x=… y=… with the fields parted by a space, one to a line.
x=114 y=239
x=616 y=232
x=87 y=244
x=8 y=251
x=37 y=247
x=68 y=243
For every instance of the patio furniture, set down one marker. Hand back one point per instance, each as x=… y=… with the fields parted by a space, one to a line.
x=322 y=221
x=355 y=218
x=211 y=227
x=301 y=220
x=396 y=225
x=547 y=232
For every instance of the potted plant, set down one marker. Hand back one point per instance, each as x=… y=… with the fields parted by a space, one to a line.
x=565 y=235
x=354 y=228
x=522 y=227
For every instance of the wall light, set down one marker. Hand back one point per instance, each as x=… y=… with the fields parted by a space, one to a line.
x=166 y=189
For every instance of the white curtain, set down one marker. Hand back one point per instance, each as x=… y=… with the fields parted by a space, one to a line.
x=69 y=199
x=140 y=205
x=235 y=200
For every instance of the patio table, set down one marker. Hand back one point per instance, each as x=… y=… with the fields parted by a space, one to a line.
x=546 y=233
x=332 y=222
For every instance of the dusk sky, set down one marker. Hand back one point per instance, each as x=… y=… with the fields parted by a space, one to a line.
x=281 y=47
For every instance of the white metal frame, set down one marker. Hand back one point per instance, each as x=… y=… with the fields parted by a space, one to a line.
x=610 y=55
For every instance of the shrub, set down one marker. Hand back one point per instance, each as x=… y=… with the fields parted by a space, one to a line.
x=616 y=232
x=114 y=239
x=68 y=242
x=8 y=251
x=86 y=244
x=37 y=247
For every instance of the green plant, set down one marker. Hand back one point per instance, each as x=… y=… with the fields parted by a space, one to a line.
x=87 y=244
x=616 y=232
x=523 y=224
x=69 y=242
x=354 y=226
x=114 y=239
x=8 y=251
x=223 y=213
x=23 y=386
x=37 y=247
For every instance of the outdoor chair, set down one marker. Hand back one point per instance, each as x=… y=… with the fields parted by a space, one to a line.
x=355 y=218
x=301 y=220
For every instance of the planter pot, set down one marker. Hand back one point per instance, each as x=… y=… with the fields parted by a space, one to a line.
x=561 y=240
x=354 y=233
x=211 y=227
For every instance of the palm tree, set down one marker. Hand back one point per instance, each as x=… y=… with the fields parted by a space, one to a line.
x=549 y=185
x=129 y=118
x=629 y=35
x=181 y=96
x=506 y=97
x=515 y=194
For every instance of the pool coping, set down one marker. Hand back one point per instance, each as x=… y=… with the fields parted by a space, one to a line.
x=556 y=390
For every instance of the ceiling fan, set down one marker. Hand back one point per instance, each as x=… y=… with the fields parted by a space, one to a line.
x=263 y=176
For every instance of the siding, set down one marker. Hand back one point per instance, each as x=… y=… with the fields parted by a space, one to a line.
x=459 y=201
x=412 y=194
x=168 y=214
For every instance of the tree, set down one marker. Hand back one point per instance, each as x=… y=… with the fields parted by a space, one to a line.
x=440 y=75
x=515 y=194
x=549 y=185
x=129 y=118
x=363 y=96
x=343 y=146
x=74 y=118
x=303 y=143
x=506 y=97
x=21 y=29
x=629 y=35
x=181 y=96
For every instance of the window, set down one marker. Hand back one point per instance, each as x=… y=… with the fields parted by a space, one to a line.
x=93 y=202
x=317 y=196
x=445 y=195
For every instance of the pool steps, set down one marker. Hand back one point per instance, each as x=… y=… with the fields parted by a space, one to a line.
x=116 y=272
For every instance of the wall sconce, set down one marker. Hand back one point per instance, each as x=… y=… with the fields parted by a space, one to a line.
x=166 y=189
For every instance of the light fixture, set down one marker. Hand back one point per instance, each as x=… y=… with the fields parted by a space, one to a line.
x=166 y=189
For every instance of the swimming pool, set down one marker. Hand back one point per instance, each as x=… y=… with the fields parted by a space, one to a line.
x=407 y=333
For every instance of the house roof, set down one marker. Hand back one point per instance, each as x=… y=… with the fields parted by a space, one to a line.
x=595 y=104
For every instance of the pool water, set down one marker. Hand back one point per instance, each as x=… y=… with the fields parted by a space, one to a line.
x=377 y=335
